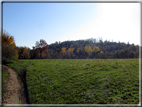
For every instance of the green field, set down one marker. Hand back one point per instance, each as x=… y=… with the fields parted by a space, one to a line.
x=83 y=81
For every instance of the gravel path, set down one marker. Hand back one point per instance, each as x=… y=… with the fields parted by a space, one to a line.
x=14 y=91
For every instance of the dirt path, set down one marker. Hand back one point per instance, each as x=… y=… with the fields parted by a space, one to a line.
x=14 y=91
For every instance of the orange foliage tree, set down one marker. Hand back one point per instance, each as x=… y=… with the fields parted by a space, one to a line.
x=23 y=52
x=8 y=47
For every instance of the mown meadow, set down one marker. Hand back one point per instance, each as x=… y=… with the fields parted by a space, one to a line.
x=83 y=81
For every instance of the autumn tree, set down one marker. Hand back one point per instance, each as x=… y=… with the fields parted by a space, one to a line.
x=96 y=49
x=26 y=53
x=70 y=50
x=131 y=54
x=122 y=54
x=40 y=44
x=69 y=53
x=88 y=49
x=23 y=52
x=41 y=48
x=77 y=51
x=101 y=54
x=8 y=47
x=63 y=50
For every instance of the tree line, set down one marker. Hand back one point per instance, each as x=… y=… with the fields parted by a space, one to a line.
x=80 y=49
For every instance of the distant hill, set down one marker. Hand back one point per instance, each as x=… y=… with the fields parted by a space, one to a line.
x=79 y=49
x=91 y=48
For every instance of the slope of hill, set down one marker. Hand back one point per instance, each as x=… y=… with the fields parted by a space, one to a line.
x=92 y=49
x=79 y=49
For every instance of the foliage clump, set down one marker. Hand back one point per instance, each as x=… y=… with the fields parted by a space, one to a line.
x=9 y=51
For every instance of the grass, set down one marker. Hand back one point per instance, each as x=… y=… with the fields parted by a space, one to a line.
x=4 y=78
x=4 y=81
x=83 y=81
x=19 y=65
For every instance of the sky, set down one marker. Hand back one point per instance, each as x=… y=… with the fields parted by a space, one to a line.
x=30 y=22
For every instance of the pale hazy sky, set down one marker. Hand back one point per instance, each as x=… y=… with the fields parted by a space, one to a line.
x=30 y=22
x=113 y=21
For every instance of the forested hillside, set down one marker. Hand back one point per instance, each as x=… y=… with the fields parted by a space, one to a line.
x=80 y=49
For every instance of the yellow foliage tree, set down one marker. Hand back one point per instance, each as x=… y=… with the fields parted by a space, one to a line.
x=77 y=51
x=101 y=52
x=96 y=49
x=88 y=49
x=63 y=50
x=70 y=50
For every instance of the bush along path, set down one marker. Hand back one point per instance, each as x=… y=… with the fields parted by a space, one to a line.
x=15 y=91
